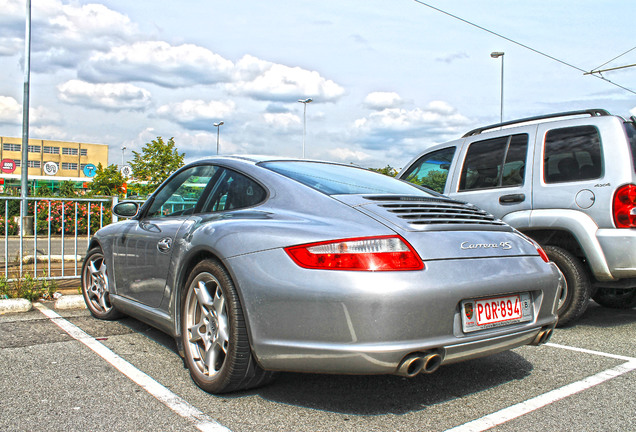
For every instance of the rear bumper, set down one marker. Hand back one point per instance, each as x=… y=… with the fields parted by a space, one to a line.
x=618 y=246
x=367 y=323
x=383 y=359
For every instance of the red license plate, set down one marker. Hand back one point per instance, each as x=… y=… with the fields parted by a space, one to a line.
x=479 y=314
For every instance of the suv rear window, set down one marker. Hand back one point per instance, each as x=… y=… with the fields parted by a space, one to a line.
x=497 y=162
x=630 y=128
x=572 y=154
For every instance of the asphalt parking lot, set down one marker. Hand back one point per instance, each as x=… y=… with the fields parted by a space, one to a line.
x=68 y=371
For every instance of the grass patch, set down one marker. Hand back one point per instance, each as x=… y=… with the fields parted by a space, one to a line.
x=27 y=287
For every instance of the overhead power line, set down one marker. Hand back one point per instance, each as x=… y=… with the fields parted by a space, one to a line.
x=608 y=69
x=523 y=45
x=609 y=61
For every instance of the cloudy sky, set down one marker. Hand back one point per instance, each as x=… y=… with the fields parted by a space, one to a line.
x=387 y=78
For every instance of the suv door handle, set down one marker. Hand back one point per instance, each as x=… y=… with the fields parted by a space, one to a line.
x=512 y=198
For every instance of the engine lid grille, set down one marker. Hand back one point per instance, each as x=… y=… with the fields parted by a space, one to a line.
x=431 y=213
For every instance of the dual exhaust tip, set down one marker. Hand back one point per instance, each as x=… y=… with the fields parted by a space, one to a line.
x=429 y=362
x=543 y=336
x=416 y=363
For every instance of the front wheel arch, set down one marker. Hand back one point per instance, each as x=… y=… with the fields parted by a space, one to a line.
x=214 y=336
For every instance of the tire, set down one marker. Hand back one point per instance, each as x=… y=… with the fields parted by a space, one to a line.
x=616 y=298
x=575 y=296
x=96 y=286
x=214 y=335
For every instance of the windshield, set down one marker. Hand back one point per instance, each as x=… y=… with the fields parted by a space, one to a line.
x=333 y=179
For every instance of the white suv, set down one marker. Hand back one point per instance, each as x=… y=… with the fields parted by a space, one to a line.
x=567 y=180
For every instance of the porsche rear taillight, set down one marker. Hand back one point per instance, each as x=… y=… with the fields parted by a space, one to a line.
x=387 y=253
x=625 y=207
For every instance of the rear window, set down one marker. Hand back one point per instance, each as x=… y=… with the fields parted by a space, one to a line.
x=333 y=179
x=572 y=154
x=630 y=128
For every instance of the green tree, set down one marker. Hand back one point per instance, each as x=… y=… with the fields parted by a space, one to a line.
x=107 y=181
x=155 y=163
x=435 y=179
x=67 y=189
x=387 y=170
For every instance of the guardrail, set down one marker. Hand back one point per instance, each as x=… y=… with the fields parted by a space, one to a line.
x=51 y=239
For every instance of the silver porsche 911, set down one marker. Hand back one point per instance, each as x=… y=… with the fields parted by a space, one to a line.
x=259 y=265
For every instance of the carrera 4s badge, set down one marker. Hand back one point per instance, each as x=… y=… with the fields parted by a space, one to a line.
x=503 y=245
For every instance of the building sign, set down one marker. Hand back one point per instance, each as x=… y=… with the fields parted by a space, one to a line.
x=126 y=171
x=51 y=168
x=7 y=165
x=89 y=170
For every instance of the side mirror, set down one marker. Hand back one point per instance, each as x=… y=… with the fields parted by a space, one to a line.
x=126 y=209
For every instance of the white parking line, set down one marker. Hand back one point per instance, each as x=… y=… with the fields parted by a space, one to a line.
x=514 y=411
x=200 y=420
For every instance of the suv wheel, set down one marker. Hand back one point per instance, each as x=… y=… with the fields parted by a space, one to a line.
x=576 y=294
x=616 y=298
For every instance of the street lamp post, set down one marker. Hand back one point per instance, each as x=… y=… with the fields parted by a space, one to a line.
x=304 y=102
x=218 y=128
x=123 y=150
x=495 y=55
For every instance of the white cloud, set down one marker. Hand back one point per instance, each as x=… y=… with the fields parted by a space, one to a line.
x=158 y=62
x=383 y=100
x=10 y=111
x=197 y=114
x=282 y=120
x=263 y=80
x=450 y=58
x=436 y=114
x=50 y=132
x=111 y=97
x=347 y=155
x=400 y=128
x=10 y=46
x=62 y=34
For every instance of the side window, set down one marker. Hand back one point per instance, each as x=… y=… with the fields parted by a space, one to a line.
x=572 y=154
x=431 y=170
x=181 y=194
x=630 y=128
x=497 y=162
x=233 y=191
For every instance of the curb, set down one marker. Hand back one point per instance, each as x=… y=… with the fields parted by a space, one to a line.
x=15 y=305
x=75 y=301
x=23 y=305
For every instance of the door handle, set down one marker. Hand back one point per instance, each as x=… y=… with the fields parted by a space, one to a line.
x=164 y=244
x=512 y=198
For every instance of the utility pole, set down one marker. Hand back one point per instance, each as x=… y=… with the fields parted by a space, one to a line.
x=24 y=177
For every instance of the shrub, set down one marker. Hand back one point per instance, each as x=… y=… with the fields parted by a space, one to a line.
x=64 y=212
x=13 y=227
x=27 y=287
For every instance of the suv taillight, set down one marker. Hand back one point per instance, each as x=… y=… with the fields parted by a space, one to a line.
x=625 y=207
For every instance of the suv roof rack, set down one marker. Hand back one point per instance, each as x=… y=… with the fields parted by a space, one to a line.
x=590 y=112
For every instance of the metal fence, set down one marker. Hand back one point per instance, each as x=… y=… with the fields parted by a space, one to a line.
x=51 y=239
